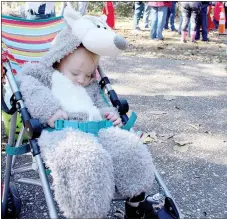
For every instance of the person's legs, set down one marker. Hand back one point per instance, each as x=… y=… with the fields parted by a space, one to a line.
x=216 y=24
x=186 y=14
x=204 y=23
x=172 y=16
x=154 y=21
x=139 y=7
x=83 y=7
x=82 y=171
x=180 y=24
x=197 y=35
x=189 y=28
x=167 y=19
x=194 y=22
x=162 y=13
x=147 y=12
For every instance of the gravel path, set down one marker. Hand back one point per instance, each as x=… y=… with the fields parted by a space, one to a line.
x=177 y=101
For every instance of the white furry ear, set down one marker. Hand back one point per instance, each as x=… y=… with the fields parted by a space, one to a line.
x=70 y=15
x=103 y=17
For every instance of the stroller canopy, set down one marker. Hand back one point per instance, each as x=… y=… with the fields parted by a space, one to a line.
x=28 y=40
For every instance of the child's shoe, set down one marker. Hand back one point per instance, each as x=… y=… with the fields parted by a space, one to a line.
x=138 y=207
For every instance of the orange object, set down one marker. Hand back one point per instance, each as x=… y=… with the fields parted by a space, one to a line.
x=221 y=27
x=108 y=10
x=210 y=22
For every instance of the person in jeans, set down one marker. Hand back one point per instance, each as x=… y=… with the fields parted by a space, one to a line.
x=147 y=12
x=139 y=8
x=158 y=18
x=171 y=14
x=190 y=10
x=203 y=21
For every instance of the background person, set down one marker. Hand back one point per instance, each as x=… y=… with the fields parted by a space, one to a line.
x=203 y=22
x=158 y=18
x=139 y=9
x=108 y=10
x=190 y=11
x=147 y=12
x=171 y=14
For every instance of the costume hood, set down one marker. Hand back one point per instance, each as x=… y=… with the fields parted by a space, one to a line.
x=90 y=31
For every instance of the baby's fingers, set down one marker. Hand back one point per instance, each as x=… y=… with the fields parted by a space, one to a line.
x=110 y=116
x=117 y=122
x=64 y=115
x=106 y=114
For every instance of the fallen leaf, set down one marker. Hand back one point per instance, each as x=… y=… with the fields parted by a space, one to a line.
x=180 y=148
x=149 y=137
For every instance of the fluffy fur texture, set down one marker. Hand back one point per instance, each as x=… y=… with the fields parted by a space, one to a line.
x=71 y=103
x=84 y=168
x=133 y=166
x=82 y=172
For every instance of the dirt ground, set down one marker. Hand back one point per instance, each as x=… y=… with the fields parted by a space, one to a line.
x=140 y=45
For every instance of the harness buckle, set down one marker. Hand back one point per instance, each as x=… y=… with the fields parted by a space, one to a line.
x=59 y=124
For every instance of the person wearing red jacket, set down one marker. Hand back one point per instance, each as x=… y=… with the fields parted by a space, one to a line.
x=158 y=18
x=108 y=10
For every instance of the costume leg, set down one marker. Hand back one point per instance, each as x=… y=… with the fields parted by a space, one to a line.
x=133 y=166
x=82 y=172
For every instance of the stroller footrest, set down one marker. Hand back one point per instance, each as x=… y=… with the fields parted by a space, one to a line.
x=10 y=150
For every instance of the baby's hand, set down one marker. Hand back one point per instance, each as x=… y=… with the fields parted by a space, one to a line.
x=60 y=114
x=114 y=118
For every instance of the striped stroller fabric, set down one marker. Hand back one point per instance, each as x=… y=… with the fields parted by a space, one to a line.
x=28 y=40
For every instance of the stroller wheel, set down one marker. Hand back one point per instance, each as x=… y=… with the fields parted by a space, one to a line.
x=14 y=202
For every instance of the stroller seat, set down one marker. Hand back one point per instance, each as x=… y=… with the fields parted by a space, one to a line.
x=32 y=127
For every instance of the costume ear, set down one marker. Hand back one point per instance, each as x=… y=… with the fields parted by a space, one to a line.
x=103 y=17
x=70 y=15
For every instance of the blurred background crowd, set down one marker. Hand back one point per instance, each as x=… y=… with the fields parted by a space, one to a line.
x=195 y=19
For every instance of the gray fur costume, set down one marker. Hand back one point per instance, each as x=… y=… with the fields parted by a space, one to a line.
x=85 y=168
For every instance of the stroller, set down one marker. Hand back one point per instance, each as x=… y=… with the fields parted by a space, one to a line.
x=164 y=205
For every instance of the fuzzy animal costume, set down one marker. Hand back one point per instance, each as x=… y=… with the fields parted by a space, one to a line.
x=85 y=168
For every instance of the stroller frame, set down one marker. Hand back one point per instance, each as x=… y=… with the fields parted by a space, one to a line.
x=33 y=129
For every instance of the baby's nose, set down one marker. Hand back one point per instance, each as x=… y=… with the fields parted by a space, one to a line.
x=80 y=81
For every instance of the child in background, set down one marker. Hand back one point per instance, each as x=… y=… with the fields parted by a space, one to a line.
x=108 y=10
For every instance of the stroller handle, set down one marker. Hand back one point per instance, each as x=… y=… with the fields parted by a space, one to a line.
x=120 y=104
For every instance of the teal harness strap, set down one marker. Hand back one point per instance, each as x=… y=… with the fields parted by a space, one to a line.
x=131 y=122
x=88 y=127
x=91 y=127
x=18 y=150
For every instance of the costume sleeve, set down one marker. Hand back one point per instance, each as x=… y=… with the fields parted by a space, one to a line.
x=37 y=98
x=40 y=102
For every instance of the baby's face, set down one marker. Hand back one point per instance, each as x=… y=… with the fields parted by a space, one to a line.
x=79 y=67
